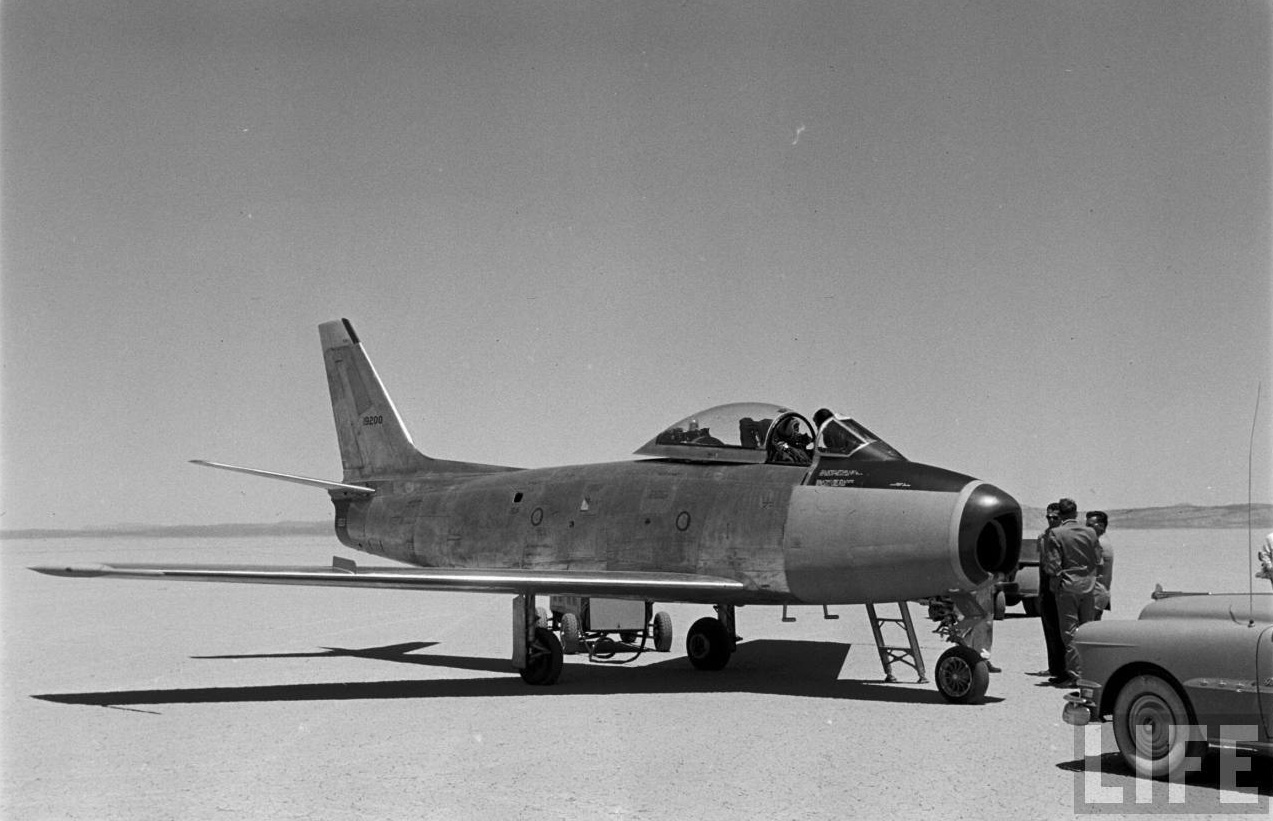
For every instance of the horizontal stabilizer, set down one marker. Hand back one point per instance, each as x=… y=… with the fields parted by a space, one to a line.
x=287 y=477
x=615 y=583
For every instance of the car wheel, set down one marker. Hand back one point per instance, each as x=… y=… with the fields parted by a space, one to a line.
x=1152 y=727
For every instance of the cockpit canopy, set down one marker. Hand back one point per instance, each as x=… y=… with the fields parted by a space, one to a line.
x=756 y=433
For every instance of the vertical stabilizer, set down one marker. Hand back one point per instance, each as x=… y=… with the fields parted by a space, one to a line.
x=373 y=441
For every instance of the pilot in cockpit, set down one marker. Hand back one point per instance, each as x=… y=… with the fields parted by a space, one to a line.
x=789 y=445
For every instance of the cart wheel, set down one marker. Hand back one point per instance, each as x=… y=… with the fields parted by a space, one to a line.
x=629 y=636
x=1001 y=604
x=662 y=632
x=542 y=617
x=569 y=633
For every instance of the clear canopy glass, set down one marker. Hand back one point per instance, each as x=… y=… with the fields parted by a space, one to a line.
x=758 y=432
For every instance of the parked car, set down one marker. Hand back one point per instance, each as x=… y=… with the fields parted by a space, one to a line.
x=1195 y=669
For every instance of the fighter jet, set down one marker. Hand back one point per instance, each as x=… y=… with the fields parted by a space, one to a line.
x=740 y=504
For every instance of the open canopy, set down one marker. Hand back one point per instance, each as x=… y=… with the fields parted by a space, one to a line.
x=757 y=432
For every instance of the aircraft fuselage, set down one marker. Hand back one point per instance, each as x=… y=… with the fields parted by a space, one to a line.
x=903 y=530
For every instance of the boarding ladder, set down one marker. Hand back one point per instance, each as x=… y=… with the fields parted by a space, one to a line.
x=891 y=654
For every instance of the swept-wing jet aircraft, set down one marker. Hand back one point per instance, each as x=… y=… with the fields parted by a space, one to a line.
x=734 y=505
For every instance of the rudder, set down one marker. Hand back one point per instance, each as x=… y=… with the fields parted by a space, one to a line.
x=374 y=442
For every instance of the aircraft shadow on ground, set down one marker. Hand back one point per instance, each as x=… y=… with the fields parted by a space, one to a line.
x=794 y=668
x=1211 y=777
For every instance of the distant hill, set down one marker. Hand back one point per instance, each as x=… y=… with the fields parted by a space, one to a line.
x=1171 y=516
x=1141 y=518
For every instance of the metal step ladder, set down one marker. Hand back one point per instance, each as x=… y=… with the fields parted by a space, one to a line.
x=891 y=654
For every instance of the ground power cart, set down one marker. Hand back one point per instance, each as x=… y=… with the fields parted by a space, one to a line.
x=604 y=627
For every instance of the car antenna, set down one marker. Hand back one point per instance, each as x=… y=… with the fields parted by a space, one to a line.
x=1250 y=529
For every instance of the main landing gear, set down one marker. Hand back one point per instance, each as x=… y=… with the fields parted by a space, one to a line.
x=711 y=641
x=536 y=650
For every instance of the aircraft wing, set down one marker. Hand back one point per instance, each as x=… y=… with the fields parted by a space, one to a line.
x=344 y=573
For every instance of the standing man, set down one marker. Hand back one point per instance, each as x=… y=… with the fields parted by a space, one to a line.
x=1047 y=606
x=1099 y=521
x=1073 y=558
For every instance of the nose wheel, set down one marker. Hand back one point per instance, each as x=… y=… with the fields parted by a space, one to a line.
x=962 y=675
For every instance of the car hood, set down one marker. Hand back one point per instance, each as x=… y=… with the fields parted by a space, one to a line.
x=1235 y=607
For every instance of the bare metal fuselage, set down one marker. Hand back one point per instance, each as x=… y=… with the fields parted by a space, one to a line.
x=786 y=541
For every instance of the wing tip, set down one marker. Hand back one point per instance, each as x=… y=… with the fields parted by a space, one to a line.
x=72 y=570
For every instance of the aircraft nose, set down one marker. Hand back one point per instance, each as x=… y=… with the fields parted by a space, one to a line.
x=989 y=533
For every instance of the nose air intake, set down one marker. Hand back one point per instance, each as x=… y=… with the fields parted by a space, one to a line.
x=989 y=533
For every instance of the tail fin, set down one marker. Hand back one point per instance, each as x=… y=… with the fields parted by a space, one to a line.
x=374 y=442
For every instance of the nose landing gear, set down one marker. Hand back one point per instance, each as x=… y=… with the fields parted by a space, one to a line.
x=962 y=675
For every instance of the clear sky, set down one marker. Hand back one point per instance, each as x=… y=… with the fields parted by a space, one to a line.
x=1029 y=241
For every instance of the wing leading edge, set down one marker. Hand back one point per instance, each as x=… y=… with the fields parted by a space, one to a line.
x=343 y=573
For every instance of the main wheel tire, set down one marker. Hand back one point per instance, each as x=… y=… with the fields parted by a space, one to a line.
x=662 y=632
x=708 y=644
x=1030 y=604
x=570 y=633
x=543 y=658
x=1152 y=727
x=962 y=675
